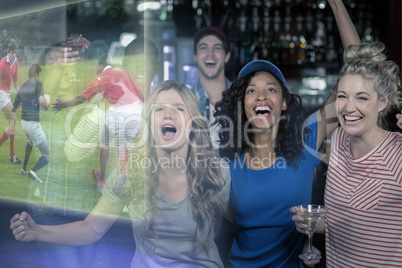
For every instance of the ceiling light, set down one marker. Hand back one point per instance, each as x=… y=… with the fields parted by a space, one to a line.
x=148 y=5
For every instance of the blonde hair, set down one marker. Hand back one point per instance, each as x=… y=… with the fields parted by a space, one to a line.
x=370 y=62
x=205 y=180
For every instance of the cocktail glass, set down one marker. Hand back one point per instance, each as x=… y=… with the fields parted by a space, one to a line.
x=312 y=215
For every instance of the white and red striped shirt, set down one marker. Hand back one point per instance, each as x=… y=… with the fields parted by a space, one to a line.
x=364 y=201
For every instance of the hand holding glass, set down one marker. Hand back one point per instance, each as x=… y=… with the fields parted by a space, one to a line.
x=312 y=215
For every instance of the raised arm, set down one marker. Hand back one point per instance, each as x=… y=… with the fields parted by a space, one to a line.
x=345 y=25
x=88 y=231
x=326 y=115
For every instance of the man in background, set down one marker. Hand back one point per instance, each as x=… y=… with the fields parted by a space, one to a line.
x=211 y=53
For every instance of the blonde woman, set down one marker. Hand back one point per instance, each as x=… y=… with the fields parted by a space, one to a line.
x=364 y=182
x=185 y=191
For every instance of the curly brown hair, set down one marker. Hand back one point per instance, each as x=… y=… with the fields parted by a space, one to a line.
x=235 y=140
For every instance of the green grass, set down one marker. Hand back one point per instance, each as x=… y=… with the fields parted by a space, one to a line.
x=72 y=176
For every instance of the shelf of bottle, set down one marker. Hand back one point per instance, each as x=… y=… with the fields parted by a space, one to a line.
x=296 y=71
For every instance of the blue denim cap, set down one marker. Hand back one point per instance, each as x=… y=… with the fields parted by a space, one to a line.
x=262 y=65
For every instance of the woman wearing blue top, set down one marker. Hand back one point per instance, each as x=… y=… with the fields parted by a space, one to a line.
x=272 y=153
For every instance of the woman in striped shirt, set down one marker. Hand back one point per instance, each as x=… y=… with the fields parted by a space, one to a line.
x=363 y=226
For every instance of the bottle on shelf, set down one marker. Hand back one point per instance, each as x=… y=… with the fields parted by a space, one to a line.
x=286 y=39
x=301 y=42
x=331 y=55
x=276 y=45
x=267 y=37
x=319 y=39
x=308 y=32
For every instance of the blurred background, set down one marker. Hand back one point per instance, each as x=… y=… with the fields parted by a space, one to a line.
x=300 y=36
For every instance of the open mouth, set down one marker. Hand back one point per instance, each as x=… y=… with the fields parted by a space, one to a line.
x=352 y=118
x=168 y=130
x=262 y=111
x=210 y=64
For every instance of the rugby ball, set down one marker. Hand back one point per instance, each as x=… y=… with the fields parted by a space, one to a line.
x=47 y=98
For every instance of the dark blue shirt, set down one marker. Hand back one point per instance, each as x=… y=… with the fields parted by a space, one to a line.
x=29 y=95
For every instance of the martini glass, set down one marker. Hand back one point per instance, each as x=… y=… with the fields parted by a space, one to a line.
x=312 y=215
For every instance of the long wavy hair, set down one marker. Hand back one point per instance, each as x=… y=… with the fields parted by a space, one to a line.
x=370 y=62
x=204 y=176
x=234 y=135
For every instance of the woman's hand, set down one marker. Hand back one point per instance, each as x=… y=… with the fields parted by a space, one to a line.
x=299 y=222
x=316 y=250
x=301 y=227
x=399 y=117
x=24 y=227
